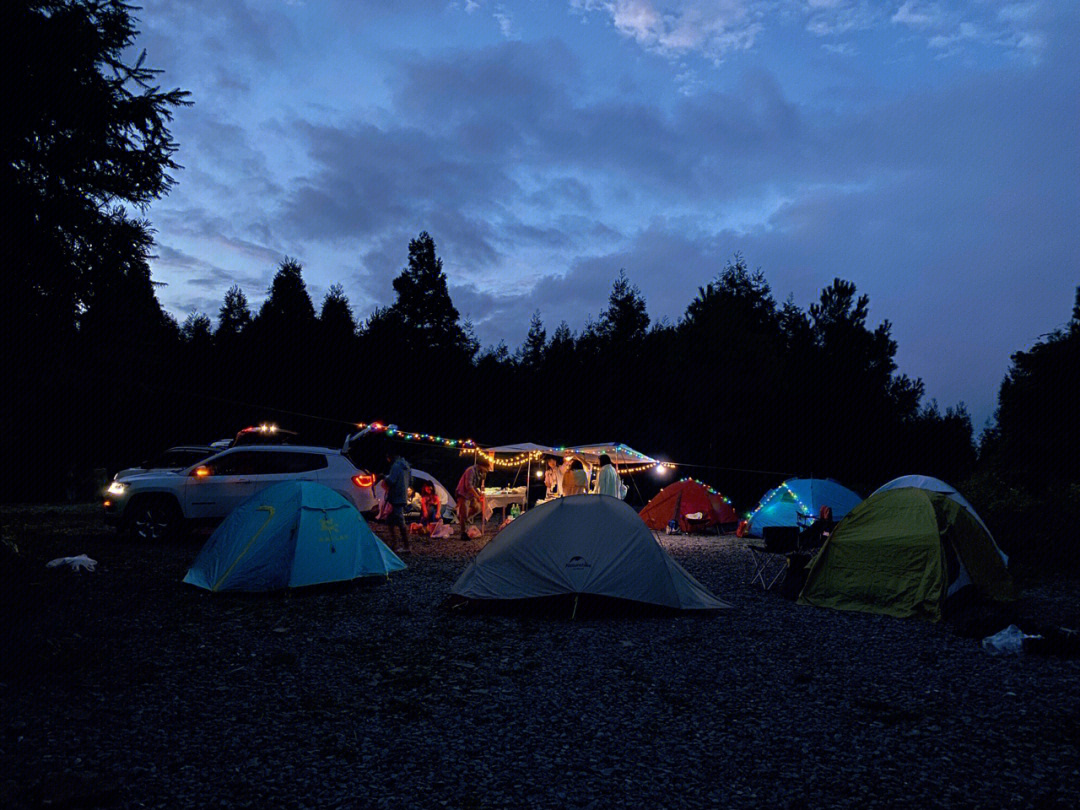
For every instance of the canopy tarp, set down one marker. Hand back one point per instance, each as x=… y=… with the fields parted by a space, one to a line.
x=524 y=447
x=617 y=452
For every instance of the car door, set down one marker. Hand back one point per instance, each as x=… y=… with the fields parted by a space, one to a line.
x=276 y=466
x=217 y=487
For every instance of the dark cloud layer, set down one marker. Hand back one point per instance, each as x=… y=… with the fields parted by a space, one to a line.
x=952 y=203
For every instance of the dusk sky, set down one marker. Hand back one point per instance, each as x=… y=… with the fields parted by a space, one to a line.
x=927 y=151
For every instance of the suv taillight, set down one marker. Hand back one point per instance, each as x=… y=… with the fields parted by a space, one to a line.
x=364 y=480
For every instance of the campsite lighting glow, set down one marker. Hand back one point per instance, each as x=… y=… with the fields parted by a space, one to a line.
x=507 y=463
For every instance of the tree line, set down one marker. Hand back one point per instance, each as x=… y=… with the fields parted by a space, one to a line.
x=741 y=388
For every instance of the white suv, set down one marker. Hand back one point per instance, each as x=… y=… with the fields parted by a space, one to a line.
x=157 y=504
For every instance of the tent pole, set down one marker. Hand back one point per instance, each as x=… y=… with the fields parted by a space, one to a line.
x=573 y=615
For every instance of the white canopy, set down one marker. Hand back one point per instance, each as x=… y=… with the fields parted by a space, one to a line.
x=524 y=447
x=619 y=453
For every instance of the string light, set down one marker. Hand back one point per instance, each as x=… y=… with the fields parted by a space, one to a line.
x=506 y=463
x=393 y=430
x=773 y=493
x=709 y=489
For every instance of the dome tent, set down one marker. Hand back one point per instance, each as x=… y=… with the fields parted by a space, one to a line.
x=937 y=485
x=898 y=553
x=292 y=534
x=687 y=497
x=581 y=545
x=800 y=496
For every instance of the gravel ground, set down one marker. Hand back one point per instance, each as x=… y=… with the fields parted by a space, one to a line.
x=122 y=688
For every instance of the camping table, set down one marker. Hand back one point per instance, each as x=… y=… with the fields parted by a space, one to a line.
x=502 y=498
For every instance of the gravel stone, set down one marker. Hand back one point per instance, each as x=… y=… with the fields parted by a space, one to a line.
x=124 y=688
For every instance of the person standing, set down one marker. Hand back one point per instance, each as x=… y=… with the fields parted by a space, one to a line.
x=607 y=481
x=470 y=493
x=551 y=479
x=562 y=471
x=397 y=482
x=575 y=481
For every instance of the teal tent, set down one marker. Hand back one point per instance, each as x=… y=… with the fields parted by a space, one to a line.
x=292 y=534
x=800 y=496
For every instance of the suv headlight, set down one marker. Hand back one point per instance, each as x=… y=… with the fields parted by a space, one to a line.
x=117 y=488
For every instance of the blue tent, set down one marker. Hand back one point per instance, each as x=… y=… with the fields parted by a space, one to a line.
x=289 y=535
x=800 y=496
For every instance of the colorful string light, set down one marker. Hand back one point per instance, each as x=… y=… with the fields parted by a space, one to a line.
x=506 y=463
x=772 y=494
x=393 y=430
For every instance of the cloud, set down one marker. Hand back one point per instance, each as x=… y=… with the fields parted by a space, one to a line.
x=711 y=27
x=716 y=29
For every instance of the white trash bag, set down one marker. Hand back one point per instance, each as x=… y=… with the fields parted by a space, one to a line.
x=80 y=563
x=1009 y=641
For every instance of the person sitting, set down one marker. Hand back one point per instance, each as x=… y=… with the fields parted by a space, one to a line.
x=816 y=533
x=575 y=481
x=430 y=505
x=412 y=505
x=470 y=494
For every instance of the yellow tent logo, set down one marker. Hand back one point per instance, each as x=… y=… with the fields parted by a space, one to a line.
x=329 y=529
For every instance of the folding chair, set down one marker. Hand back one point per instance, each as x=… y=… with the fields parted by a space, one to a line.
x=769 y=568
x=770 y=559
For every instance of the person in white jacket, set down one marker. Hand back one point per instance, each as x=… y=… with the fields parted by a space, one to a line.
x=607 y=482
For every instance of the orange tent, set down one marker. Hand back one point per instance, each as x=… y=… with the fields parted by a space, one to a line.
x=686 y=497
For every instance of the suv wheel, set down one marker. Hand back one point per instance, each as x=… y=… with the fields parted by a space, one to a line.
x=154 y=519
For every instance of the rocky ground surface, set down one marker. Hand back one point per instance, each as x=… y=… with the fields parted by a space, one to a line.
x=123 y=688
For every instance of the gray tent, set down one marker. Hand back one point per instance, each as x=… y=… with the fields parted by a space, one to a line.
x=583 y=544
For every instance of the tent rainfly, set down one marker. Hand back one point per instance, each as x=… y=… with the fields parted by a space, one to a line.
x=583 y=544
x=800 y=496
x=901 y=552
x=687 y=497
x=292 y=534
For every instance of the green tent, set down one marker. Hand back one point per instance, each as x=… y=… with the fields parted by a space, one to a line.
x=899 y=551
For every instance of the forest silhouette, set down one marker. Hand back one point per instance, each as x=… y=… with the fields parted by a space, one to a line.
x=741 y=390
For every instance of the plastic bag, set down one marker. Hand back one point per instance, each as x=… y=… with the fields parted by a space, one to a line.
x=488 y=511
x=80 y=563
x=474 y=532
x=442 y=530
x=1009 y=641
